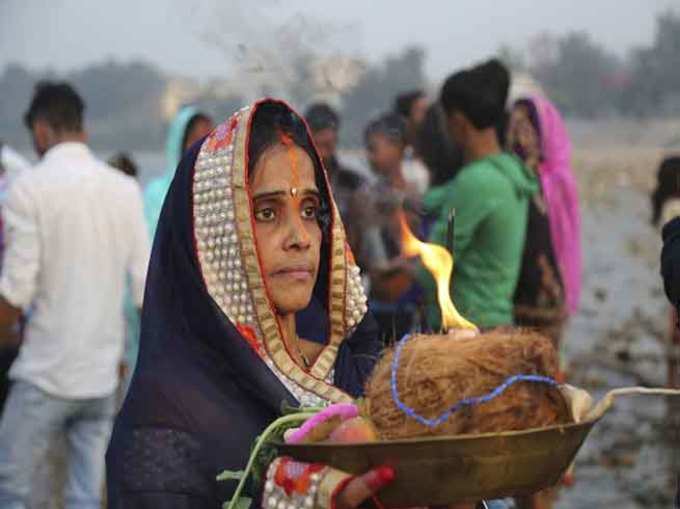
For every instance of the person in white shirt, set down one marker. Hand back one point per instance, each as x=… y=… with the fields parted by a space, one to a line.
x=75 y=231
x=11 y=165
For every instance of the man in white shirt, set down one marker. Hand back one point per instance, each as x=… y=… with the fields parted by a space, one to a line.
x=75 y=230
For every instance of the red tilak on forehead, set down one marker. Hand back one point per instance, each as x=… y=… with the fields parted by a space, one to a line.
x=287 y=141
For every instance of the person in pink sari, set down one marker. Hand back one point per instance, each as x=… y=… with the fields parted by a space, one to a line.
x=537 y=134
x=561 y=196
x=550 y=277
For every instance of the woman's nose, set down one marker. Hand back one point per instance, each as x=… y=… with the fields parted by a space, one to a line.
x=296 y=236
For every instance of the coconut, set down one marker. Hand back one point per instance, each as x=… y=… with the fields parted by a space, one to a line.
x=435 y=372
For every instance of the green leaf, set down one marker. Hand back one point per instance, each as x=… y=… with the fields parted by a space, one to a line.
x=260 y=442
x=288 y=409
x=241 y=503
x=231 y=475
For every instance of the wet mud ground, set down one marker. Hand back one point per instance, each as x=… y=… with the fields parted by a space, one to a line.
x=619 y=338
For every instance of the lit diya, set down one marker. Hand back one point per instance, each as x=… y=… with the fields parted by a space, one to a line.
x=436 y=385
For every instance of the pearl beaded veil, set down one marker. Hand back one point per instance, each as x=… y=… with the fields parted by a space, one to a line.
x=227 y=254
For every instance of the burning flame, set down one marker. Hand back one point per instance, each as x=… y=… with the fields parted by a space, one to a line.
x=439 y=262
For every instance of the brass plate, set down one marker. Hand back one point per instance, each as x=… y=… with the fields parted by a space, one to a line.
x=466 y=468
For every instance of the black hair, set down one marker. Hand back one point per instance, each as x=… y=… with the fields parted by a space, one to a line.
x=57 y=103
x=442 y=157
x=321 y=116
x=479 y=93
x=195 y=119
x=390 y=125
x=275 y=123
x=403 y=103
x=123 y=161
x=667 y=185
x=272 y=124
x=532 y=113
x=670 y=261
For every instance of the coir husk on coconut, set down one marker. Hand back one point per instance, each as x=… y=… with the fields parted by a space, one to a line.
x=435 y=372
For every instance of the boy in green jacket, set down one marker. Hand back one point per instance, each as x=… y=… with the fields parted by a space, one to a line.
x=490 y=196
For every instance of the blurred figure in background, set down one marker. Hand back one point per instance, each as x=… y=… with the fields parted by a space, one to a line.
x=69 y=248
x=392 y=298
x=324 y=123
x=490 y=196
x=670 y=272
x=665 y=207
x=442 y=157
x=11 y=165
x=550 y=279
x=126 y=164
x=188 y=126
x=412 y=107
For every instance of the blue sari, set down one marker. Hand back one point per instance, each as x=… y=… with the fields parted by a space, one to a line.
x=154 y=195
x=156 y=189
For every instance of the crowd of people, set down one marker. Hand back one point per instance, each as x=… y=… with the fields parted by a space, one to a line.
x=276 y=277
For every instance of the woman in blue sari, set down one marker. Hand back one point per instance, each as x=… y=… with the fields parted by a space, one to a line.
x=253 y=302
x=188 y=126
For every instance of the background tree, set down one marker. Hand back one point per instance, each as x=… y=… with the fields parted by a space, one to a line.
x=654 y=86
x=580 y=76
x=375 y=91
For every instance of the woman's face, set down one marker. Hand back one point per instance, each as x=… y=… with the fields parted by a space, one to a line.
x=523 y=138
x=285 y=207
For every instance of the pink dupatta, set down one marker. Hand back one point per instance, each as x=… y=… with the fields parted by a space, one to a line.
x=561 y=196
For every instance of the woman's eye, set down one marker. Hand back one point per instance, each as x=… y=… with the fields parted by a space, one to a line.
x=265 y=215
x=310 y=212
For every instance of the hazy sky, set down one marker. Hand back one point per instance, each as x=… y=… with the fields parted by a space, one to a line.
x=205 y=38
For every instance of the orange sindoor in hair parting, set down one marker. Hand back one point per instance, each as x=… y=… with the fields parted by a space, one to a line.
x=287 y=141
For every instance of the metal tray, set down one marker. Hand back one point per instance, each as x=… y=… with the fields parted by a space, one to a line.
x=468 y=468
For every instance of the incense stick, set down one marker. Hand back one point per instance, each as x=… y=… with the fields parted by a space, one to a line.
x=450 y=230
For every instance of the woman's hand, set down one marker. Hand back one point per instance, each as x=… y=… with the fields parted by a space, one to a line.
x=325 y=487
x=316 y=486
x=363 y=487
